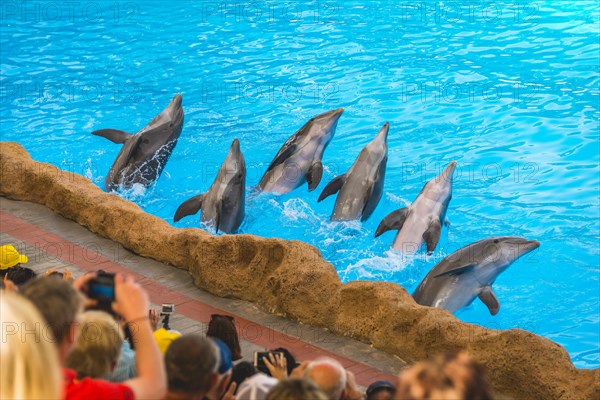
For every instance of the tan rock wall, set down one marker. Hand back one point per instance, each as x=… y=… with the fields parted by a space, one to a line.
x=291 y=278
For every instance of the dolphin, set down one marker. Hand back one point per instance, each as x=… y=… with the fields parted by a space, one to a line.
x=361 y=187
x=422 y=220
x=470 y=272
x=299 y=159
x=223 y=204
x=144 y=154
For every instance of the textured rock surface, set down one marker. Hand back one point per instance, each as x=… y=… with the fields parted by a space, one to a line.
x=291 y=278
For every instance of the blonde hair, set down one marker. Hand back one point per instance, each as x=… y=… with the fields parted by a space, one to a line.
x=97 y=347
x=29 y=364
x=449 y=376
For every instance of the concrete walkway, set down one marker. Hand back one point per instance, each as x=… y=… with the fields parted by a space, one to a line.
x=51 y=241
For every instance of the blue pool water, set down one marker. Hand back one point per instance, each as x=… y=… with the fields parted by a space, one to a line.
x=507 y=89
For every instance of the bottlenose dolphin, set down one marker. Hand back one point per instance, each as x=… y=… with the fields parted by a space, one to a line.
x=144 y=155
x=361 y=187
x=470 y=272
x=223 y=204
x=299 y=159
x=422 y=220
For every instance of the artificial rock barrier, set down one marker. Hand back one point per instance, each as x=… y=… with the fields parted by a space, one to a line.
x=291 y=278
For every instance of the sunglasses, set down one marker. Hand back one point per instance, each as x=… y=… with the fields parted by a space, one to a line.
x=215 y=316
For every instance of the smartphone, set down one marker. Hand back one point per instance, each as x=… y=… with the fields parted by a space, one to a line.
x=259 y=364
x=102 y=288
x=167 y=309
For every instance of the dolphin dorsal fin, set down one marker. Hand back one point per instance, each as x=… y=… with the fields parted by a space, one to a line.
x=392 y=221
x=282 y=156
x=488 y=297
x=460 y=269
x=332 y=187
x=314 y=175
x=114 y=135
x=432 y=235
x=189 y=207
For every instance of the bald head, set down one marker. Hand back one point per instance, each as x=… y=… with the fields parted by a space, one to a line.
x=328 y=375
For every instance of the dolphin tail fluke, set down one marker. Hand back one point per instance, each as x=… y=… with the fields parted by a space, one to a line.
x=432 y=235
x=392 y=221
x=332 y=187
x=114 y=135
x=314 y=175
x=488 y=297
x=189 y=207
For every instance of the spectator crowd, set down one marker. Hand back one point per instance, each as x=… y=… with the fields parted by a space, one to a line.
x=60 y=341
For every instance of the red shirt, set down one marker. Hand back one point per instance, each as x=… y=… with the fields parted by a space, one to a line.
x=89 y=388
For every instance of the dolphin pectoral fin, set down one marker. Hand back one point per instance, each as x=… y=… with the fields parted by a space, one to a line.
x=189 y=207
x=488 y=298
x=392 y=221
x=432 y=235
x=460 y=269
x=314 y=175
x=332 y=187
x=114 y=135
x=282 y=156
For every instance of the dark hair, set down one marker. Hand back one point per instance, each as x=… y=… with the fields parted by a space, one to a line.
x=57 y=301
x=191 y=362
x=20 y=275
x=242 y=371
x=296 y=389
x=223 y=328
x=289 y=358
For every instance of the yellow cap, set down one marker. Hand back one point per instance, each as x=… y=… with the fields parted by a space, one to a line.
x=9 y=257
x=164 y=338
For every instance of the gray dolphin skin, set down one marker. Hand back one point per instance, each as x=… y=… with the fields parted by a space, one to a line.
x=422 y=220
x=144 y=154
x=470 y=272
x=299 y=159
x=361 y=187
x=223 y=204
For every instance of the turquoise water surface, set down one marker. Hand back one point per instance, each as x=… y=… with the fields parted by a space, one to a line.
x=507 y=89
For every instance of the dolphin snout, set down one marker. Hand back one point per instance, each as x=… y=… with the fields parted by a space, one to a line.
x=177 y=100
x=383 y=132
x=336 y=114
x=235 y=146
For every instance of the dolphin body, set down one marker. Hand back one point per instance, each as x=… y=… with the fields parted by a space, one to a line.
x=223 y=204
x=422 y=220
x=360 y=188
x=470 y=272
x=299 y=159
x=145 y=154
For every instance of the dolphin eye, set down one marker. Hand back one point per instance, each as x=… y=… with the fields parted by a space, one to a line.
x=496 y=240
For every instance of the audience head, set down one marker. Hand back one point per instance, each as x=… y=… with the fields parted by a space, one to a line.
x=222 y=327
x=242 y=371
x=29 y=364
x=256 y=387
x=381 y=390
x=20 y=275
x=447 y=377
x=296 y=389
x=329 y=376
x=192 y=362
x=59 y=303
x=97 y=347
